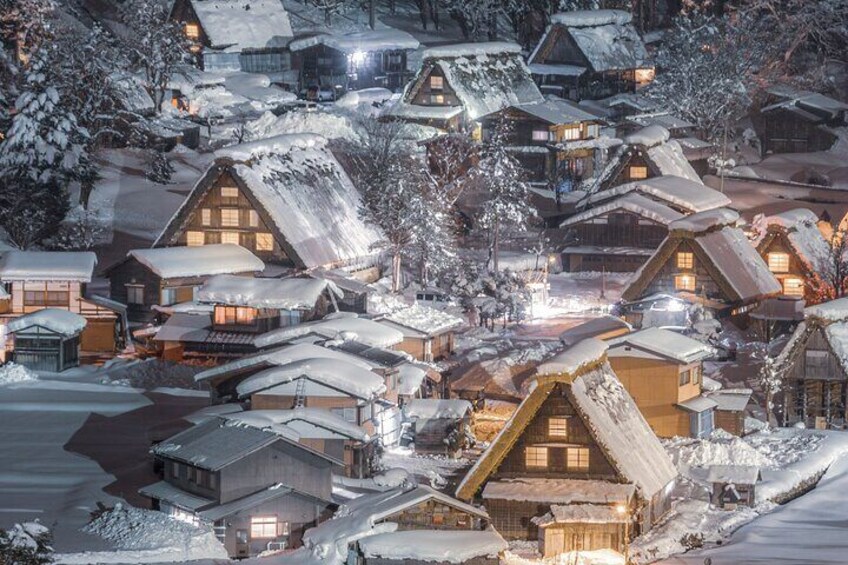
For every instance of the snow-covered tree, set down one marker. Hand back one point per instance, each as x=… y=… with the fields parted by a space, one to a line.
x=507 y=206
x=331 y=8
x=80 y=232
x=433 y=244
x=26 y=544
x=160 y=168
x=831 y=279
x=155 y=44
x=706 y=73
x=771 y=381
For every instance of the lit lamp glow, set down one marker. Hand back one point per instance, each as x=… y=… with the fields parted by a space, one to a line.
x=357 y=57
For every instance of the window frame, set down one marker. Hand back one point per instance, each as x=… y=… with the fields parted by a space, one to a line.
x=678 y=282
x=131 y=290
x=558 y=427
x=260 y=527
x=230 y=217
x=685 y=260
x=436 y=83
x=229 y=192
x=579 y=454
x=536 y=457
x=631 y=172
x=778 y=261
x=572 y=133
x=541 y=135
x=225 y=235
x=195 y=238
x=797 y=288
x=266 y=237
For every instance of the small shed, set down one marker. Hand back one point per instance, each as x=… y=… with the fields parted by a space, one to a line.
x=733 y=485
x=439 y=425
x=47 y=340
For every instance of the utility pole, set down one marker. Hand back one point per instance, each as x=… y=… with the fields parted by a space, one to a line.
x=723 y=156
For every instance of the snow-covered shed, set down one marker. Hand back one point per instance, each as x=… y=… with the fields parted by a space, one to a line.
x=577 y=439
x=340 y=326
x=46 y=340
x=245 y=35
x=355 y=60
x=168 y=276
x=439 y=425
x=418 y=547
x=460 y=83
x=428 y=333
x=798 y=121
x=603 y=327
x=237 y=476
x=590 y=54
x=706 y=258
x=733 y=485
x=796 y=252
x=285 y=198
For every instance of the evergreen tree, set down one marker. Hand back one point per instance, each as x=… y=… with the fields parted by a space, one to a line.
x=26 y=544
x=160 y=169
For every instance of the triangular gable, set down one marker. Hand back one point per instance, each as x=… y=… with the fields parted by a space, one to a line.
x=553 y=35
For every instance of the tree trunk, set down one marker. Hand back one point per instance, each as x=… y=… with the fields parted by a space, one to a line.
x=493 y=25
x=372 y=13
x=422 y=12
x=327 y=19
x=86 y=188
x=396 y=258
x=496 y=242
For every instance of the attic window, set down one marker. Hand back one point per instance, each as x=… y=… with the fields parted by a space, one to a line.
x=577 y=459
x=230 y=237
x=229 y=192
x=685 y=260
x=195 y=238
x=684 y=282
x=437 y=83
x=778 y=262
x=192 y=31
x=793 y=287
x=264 y=242
x=638 y=172
x=558 y=427
x=437 y=99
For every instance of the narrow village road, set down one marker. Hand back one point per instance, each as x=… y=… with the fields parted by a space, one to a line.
x=811 y=530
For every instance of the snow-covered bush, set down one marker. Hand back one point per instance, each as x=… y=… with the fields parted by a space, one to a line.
x=160 y=169
x=26 y=544
x=12 y=373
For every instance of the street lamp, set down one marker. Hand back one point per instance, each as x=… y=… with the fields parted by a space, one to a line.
x=623 y=511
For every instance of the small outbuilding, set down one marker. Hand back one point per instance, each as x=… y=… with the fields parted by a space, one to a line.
x=428 y=333
x=433 y=547
x=47 y=340
x=439 y=425
x=733 y=485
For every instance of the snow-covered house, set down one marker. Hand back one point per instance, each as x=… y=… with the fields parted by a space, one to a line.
x=35 y=280
x=46 y=340
x=619 y=228
x=167 y=276
x=353 y=61
x=733 y=485
x=590 y=54
x=286 y=199
x=426 y=547
x=799 y=121
x=577 y=466
x=428 y=333
x=663 y=372
x=439 y=425
x=336 y=327
x=796 y=252
x=706 y=258
x=236 y=35
x=814 y=367
x=458 y=84
x=553 y=140
x=260 y=488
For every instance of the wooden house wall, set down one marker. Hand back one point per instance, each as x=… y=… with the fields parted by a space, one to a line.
x=634 y=158
x=421 y=97
x=786 y=132
x=434 y=515
x=431 y=433
x=797 y=269
x=320 y=65
x=663 y=280
x=513 y=518
x=622 y=229
x=562 y=538
x=183 y=13
x=561 y=49
x=729 y=421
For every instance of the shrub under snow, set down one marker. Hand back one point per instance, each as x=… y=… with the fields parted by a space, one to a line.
x=12 y=373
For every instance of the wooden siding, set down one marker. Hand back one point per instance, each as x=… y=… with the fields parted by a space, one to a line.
x=783 y=131
x=561 y=538
x=619 y=228
x=777 y=242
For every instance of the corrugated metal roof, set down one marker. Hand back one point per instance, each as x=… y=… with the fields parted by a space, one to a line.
x=244 y=503
x=175 y=495
x=698 y=404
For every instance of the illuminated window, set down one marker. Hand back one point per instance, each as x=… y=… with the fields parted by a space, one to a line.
x=253 y=218
x=241 y=315
x=684 y=378
x=437 y=83
x=793 y=287
x=229 y=192
x=437 y=99
x=230 y=237
x=778 y=262
x=264 y=242
x=195 y=238
x=192 y=31
x=577 y=459
x=558 y=427
x=684 y=282
x=685 y=260
x=696 y=375
x=638 y=172
x=644 y=76
x=541 y=135
x=571 y=133
x=229 y=217
x=263 y=527
x=206 y=217
x=536 y=456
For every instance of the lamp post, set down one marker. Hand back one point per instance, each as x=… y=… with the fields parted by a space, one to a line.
x=623 y=510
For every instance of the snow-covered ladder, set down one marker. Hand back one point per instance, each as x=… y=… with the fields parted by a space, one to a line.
x=300 y=393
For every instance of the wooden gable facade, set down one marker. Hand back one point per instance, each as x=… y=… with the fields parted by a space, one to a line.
x=632 y=164
x=432 y=101
x=787 y=267
x=788 y=130
x=183 y=13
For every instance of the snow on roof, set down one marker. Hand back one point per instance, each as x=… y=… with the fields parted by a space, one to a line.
x=333 y=373
x=556 y=70
x=557 y=111
x=649 y=136
x=559 y=491
x=203 y=260
x=733 y=399
x=47 y=266
x=596 y=327
x=360 y=41
x=441 y=546
x=402 y=109
x=620 y=429
x=485 y=76
x=582 y=514
x=663 y=342
x=288 y=294
x=59 y=321
x=410 y=379
x=436 y=408
x=664 y=120
x=632 y=202
x=606 y=38
x=574 y=358
x=680 y=192
x=740 y=264
x=706 y=220
x=308 y=196
x=277 y=357
x=361 y=330
x=236 y=25
x=802 y=231
x=698 y=404
x=735 y=474
x=271 y=419
x=669 y=159
x=831 y=311
x=424 y=319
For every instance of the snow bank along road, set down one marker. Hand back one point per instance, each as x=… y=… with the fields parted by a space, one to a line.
x=810 y=530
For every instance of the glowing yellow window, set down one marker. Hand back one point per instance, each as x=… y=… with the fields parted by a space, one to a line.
x=571 y=133
x=536 y=456
x=685 y=260
x=558 y=427
x=192 y=31
x=793 y=287
x=253 y=218
x=264 y=242
x=206 y=217
x=230 y=237
x=437 y=99
x=263 y=527
x=229 y=192
x=638 y=172
x=778 y=262
x=229 y=217
x=245 y=315
x=437 y=83
x=195 y=238
x=685 y=282
x=644 y=76
x=577 y=459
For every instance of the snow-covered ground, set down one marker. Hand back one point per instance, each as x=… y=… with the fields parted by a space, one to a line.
x=435 y=470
